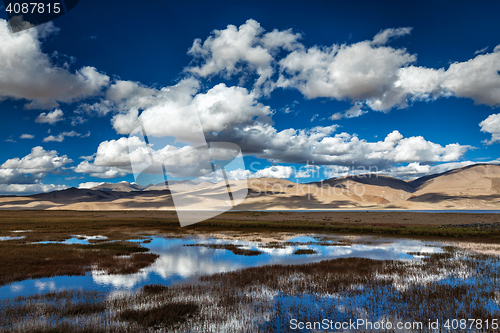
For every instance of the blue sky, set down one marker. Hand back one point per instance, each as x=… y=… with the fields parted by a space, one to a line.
x=405 y=88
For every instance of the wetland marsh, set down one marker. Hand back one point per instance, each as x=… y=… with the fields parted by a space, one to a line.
x=124 y=279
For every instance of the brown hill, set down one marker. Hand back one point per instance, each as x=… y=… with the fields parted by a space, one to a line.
x=121 y=187
x=465 y=188
x=472 y=187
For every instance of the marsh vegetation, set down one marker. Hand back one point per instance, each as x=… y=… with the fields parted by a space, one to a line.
x=451 y=284
x=233 y=282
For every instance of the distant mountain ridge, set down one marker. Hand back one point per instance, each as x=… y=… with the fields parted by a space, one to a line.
x=471 y=187
x=129 y=187
x=122 y=186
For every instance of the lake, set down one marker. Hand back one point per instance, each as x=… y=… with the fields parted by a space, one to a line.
x=181 y=262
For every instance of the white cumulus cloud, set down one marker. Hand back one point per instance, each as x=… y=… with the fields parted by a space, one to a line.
x=89 y=185
x=24 y=175
x=385 y=35
x=25 y=189
x=357 y=72
x=100 y=171
x=60 y=137
x=28 y=73
x=50 y=117
x=275 y=171
x=224 y=52
x=491 y=125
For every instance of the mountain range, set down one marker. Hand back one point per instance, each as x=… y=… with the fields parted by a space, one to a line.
x=475 y=187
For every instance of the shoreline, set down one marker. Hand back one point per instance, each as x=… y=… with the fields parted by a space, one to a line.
x=478 y=227
x=437 y=211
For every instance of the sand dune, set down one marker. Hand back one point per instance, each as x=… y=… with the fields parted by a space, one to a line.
x=472 y=187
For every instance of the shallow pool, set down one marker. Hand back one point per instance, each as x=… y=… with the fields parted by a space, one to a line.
x=184 y=259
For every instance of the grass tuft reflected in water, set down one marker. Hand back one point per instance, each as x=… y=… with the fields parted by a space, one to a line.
x=205 y=284
x=440 y=286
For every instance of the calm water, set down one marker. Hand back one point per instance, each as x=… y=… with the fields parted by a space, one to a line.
x=178 y=263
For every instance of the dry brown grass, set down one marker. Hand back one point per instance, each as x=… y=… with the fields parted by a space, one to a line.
x=55 y=225
x=128 y=264
x=250 y=300
x=334 y=275
x=222 y=298
x=22 y=260
x=163 y=316
x=304 y=251
x=236 y=249
x=29 y=261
